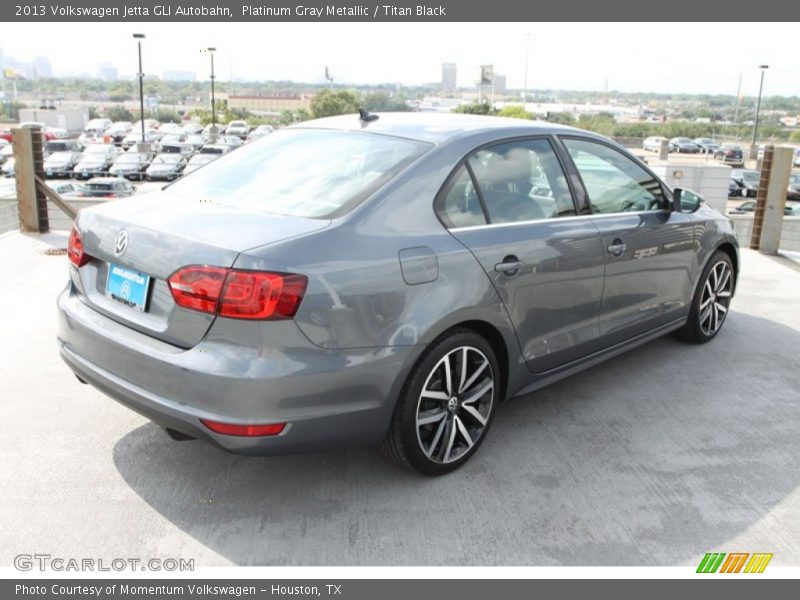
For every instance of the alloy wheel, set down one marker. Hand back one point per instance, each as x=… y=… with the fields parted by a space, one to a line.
x=455 y=404
x=716 y=298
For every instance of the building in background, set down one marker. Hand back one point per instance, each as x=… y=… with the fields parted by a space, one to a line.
x=449 y=76
x=268 y=104
x=107 y=71
x=42 y=68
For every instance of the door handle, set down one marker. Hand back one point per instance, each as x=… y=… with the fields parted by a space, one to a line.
x=617 y=247
x=510 y=266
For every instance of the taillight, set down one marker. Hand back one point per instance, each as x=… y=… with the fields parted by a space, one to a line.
x=75 y=251
x=244 y=430
x=238 y=294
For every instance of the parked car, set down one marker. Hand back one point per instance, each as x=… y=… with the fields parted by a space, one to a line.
x=653 y=143
x=797 y=158
x=108 y=187
x=730 y=154
x=68 y=189
x=748 y=179
x=706 y=145
x=96 y=127
x=58 y=133
x=119 y=131
x=175 y=144
x=347 y=282
x=9 y=167
x=791 y=208
x=265 y=130
x=166 y=167
x=794 y=187
x=192 y=128
x=131 y=165
x=62 y=146
x=171 y=129
x=238 y=128
x=735 y=188
x=96 y=160
x=6 y=150
x=198 y=160
x=135 y=137
x=196 y=141
x=216 y=149
x=683 y=144
x=230 y=140
x=60 y=164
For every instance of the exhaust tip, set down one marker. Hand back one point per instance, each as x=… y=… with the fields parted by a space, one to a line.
x=178 y=436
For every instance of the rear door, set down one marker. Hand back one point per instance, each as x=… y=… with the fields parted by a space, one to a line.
x=511 y=205
x=648 y=249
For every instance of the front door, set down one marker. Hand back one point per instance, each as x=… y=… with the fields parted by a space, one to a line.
x=648 y=249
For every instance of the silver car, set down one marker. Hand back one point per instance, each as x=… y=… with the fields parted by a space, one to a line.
x=356 y=280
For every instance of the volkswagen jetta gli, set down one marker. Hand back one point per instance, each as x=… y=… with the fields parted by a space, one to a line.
x=356 y=280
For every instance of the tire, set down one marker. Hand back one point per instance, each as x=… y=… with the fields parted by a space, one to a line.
x=456 y=422
x=711 y=300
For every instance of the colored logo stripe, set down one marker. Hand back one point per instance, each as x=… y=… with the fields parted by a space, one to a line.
x=734 y=562
x=711 y=562
x=758 y=563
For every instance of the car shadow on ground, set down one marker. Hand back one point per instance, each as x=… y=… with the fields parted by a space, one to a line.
x=652 y=458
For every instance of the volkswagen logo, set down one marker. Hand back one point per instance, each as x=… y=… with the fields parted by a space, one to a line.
x=121 y=243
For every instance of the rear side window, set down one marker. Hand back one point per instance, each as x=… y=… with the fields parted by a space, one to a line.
x=614 y=182
x=303 y=172
x=461 y=204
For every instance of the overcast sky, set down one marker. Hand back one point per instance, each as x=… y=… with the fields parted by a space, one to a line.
x=647 y=57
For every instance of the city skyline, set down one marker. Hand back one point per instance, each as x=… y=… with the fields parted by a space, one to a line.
x=581 y=57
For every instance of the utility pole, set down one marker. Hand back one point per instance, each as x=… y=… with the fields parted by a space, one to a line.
x=738 y=99
x=753 y=148
x=527 y=37
x=139 y=37
x=213 y=99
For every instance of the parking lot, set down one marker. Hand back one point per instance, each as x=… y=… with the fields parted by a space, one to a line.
x=653 y=458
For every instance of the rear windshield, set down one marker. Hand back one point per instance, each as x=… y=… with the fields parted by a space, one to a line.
x=302 y=172
x=99 y=187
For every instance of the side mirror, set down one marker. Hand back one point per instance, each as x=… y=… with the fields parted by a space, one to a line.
x=685 y=201
x=677 y=193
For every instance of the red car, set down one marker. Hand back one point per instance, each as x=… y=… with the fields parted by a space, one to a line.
x=48 y=135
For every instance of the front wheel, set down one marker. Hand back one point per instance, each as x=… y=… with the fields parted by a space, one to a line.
x=446 y=406
x=711 y=300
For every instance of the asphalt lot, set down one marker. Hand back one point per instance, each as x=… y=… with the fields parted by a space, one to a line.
x=654 y=458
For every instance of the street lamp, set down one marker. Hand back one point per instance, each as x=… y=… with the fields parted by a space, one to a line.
x=527 y=37
x=213 y=104
x=753 y=148
x=139 y=37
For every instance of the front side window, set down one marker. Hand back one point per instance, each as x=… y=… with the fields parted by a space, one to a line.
x=522 y=181
x=303 y=172
x=613 y=181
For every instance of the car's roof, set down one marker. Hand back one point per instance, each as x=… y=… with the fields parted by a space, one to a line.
x=433 y=127
x=106 y=179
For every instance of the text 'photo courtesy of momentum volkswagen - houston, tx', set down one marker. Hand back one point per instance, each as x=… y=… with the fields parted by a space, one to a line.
x=386 y=278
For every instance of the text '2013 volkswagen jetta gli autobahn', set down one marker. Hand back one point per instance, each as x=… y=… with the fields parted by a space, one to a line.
x=392 y=278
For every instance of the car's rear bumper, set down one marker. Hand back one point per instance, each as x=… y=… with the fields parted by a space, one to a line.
x=326 y=397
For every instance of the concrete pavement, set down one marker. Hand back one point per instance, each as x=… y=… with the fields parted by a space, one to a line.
x=654 y=458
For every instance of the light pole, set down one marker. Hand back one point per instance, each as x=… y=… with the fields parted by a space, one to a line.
x=753 y=149
x=527 y=37
x=213 y=103
x=139 y=37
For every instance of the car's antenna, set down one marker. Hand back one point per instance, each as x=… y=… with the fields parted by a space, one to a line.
x=366 y=116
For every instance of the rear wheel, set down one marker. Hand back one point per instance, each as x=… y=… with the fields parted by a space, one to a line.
x=711 y=300
x=446 y=406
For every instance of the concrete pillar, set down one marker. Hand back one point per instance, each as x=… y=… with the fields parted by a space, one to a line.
x=776 y=199
x=663 y=152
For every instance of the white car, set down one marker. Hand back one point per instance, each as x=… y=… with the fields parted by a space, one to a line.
x=797 y=158
x=652 y=144
x=238 y=128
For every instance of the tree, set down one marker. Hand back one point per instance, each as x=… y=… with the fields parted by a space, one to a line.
x=562 y=118
x=119 y=113
x=475 y=109
x=795 y=137
x=381 y=101
x=515 y=111
x=328 y=103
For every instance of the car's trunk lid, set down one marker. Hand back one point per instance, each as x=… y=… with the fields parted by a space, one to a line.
x=164 y=233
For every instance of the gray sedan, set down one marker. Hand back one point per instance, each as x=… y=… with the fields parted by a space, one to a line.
x=391 y=278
